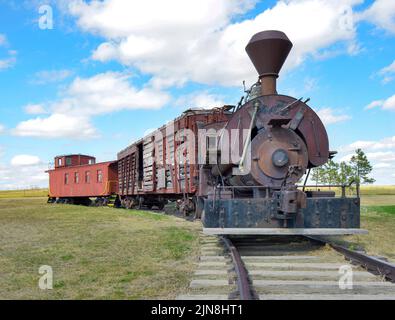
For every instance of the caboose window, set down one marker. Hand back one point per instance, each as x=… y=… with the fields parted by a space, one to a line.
x=60 y=162
x=76 y=177
x=87 y=177
x=68 y=161
x=91 y=161
x=66 y=178
x=99 y=176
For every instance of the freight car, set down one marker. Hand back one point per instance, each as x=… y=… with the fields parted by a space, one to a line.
x=78 y=179
x=164 y=166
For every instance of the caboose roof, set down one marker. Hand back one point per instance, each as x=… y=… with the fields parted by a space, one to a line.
x=74 y=155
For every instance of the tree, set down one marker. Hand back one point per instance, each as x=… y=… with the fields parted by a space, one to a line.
x=317 y=175
x=331 y=175
x=361 y=167
x=356 y=170
x=346 y=174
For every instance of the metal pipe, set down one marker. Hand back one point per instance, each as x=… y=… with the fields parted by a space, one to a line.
x=248 y=140
x=305 y=181
x=269 y=85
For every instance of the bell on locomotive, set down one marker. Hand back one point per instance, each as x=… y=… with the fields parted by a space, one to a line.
x=265 y=150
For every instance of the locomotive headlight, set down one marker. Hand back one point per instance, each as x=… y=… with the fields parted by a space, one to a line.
x=280 y=158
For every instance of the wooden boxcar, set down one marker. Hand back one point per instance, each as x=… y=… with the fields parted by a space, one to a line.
x=77 y=178
x=151 y=171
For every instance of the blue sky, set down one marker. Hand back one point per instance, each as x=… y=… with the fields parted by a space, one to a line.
x=108 y=71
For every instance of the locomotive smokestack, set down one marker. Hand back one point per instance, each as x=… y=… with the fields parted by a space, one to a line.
x=268 y=51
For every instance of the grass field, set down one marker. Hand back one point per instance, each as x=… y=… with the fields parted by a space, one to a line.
x=104 y=253
x=371 y=190
x=378 y=217
x=95 y=253
x=32 y=193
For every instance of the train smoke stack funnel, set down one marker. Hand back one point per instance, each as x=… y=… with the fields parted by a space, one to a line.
x=268 y=51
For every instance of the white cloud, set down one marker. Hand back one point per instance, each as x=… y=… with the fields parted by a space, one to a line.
x=23 y=171
x=198 y=100
x=50 y=76
x=87 y=97
x=331 y=116
x=388 y=69
x=371 y=145
x=382 y=165
x=25 y=160
x=7 y=63
x=387 y=73
x=3 y=39
x=380 y=153
x=167 y=17
x=23 y=177
x=57 y=126
x=2 y=129
x=386 y=104
x=382 y=14
x=195 y=40
x=108 y=92
x=34 y=109
x=387 y=156
x=10 y=59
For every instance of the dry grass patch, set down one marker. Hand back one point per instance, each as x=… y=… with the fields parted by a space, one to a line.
x=31 y=193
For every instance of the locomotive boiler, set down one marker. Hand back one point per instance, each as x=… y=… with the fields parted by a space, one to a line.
x=280 y=138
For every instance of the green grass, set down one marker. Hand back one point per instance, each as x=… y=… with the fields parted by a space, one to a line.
x=379 y=220
x=386 y=210
x=105 y=253
x=95 y=253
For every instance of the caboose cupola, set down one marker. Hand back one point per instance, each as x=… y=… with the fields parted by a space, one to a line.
x=268 y=51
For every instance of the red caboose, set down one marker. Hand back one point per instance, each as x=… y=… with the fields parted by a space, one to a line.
x=76 y=178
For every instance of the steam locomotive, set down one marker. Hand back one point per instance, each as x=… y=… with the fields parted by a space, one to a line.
x=237 y=167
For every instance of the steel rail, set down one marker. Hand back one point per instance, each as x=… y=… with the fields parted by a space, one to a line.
x=243 y=282
x=370 y=263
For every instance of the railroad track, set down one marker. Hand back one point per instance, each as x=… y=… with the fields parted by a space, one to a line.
x=287 y=268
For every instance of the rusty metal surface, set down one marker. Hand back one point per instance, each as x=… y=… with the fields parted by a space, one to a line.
x=268 y=51
x=243 y=282
x=263 y=213
x=272 y=142
x=179 y=178
x=271 y=108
